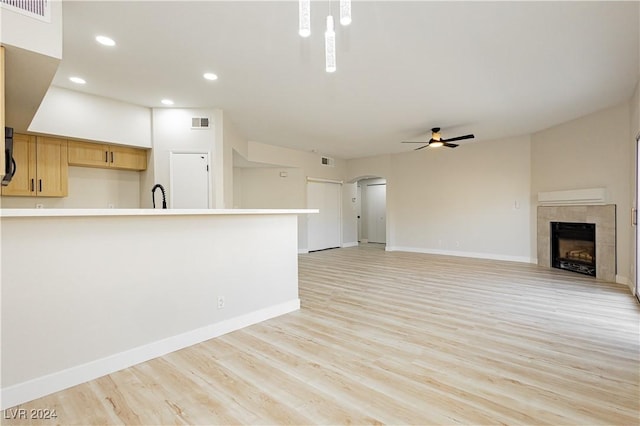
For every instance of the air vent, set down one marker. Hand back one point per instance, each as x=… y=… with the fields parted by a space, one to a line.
x=326 y=161
x=200 y=123
x=40 y=9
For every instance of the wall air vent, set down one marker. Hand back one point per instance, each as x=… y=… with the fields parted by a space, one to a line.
x=200 y=123
x=40 y=9
x=326 y=161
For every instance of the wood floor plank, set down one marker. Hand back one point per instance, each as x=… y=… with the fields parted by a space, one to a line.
x=396 y=338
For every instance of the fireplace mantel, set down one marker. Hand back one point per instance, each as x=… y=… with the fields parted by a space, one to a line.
x=604 y=217
x=587 y=196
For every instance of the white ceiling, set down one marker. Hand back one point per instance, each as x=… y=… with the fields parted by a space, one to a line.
x=496 y=69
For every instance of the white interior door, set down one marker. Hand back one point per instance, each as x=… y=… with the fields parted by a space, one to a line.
x=377 y=213
x=635 y=219
x=189 y=180
x=323 y=229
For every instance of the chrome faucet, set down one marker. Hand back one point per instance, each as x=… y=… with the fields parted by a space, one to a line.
x=153 y=195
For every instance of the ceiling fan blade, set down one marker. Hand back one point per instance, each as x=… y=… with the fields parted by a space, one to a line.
x=422 y=147
x=459 y=138
x=450 y=145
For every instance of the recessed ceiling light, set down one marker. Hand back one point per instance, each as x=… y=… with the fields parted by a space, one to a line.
x=167 y=101
x=105 y=40
x=210 y=76
x=77 y=80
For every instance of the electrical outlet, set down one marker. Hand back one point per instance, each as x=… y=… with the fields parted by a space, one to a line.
x=220 y=302
x=110 y=205
x=39 y=206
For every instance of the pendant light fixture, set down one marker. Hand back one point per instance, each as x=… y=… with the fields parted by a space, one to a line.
x=304 y=28
x=345 y=12
x=330 y=45
x=305 y=18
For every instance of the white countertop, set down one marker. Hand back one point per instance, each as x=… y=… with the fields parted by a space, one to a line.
x=145 y=212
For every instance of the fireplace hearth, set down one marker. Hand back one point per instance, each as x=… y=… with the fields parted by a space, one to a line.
x=573 y=247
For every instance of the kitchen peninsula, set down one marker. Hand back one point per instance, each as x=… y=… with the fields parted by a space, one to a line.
x=86 y=292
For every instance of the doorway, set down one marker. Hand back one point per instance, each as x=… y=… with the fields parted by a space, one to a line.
x=372 y=223
x=635 y=217
x=189 y=180
x=324 y=228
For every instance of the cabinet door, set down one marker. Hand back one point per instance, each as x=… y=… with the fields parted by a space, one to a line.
x=128 y=158
x=88 y=154
x=52 y=167
x=24 y=152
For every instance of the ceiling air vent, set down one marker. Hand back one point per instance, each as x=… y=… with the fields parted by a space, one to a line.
x=200 y=123
x=40 y=9
x=326 y=161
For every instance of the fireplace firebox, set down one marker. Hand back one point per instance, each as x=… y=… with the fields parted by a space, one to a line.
x=573 y=247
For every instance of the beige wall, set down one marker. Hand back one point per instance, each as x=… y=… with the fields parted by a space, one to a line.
x=473 y=200
x=264 y=188
x=89 y=188
x=589 y=152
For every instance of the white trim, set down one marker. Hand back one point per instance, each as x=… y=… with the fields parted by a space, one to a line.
x=350 y=244
x=45 y=385
x=303 y=251
x=576 y=196
x=312 y=179
x=624 y=280
x=491 y=256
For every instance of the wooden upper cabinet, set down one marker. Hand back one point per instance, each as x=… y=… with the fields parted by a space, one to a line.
x=122 y=157
x=89 y=154
x=52 y=169
x=41 y=167
x=24 y=153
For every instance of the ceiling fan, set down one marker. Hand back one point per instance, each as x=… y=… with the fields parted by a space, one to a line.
x=436 y=141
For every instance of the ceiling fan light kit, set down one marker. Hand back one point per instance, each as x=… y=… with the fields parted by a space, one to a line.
x=436 y=140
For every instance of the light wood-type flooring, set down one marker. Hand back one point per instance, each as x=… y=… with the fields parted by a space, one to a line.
x=396 y=338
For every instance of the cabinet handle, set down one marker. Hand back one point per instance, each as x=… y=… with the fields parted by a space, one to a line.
x=40 y=184
x=634 y=217
x=33 y=185
x=106 y=156
x=112 y=156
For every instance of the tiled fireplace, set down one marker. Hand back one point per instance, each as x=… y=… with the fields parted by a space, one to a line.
x=580 y=217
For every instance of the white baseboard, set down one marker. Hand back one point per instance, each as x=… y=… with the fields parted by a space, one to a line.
x=45 y=385
x=626 y=281
x=351 y=244
x=364 y=240
x=303 y=251
x=522 y=259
